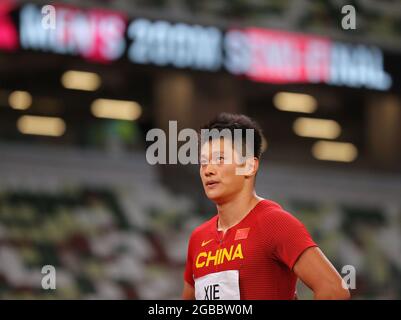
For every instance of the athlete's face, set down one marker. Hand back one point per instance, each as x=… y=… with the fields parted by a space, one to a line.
x=218 y=170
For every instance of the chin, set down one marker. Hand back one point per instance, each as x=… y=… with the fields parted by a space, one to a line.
x=215 y=197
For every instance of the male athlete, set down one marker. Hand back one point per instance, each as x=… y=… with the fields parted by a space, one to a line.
x=252 y=248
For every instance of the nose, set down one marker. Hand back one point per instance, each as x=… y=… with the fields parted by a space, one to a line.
x=209 y=170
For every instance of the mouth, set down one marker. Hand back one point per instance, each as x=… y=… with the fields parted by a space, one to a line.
x=211 y=184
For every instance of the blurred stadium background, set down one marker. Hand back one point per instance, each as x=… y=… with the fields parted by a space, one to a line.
x=76 y=191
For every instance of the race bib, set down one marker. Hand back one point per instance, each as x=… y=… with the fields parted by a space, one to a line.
x=222 y=285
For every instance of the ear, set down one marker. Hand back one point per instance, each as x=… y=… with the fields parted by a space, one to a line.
x=253 y=165
x=249 y=168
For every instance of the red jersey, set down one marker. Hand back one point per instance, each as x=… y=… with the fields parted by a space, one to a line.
x=253 y=260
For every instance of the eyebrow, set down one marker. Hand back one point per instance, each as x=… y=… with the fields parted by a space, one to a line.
x=213 y=154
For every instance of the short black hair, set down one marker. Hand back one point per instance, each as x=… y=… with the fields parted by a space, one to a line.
x=233 y=121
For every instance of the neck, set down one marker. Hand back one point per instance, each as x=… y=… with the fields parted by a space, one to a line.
x=233 y=211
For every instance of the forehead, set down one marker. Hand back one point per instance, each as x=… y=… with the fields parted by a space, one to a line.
x=222 y=145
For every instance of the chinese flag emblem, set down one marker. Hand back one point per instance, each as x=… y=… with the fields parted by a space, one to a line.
x=242 y=234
